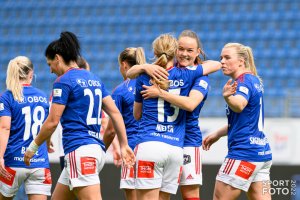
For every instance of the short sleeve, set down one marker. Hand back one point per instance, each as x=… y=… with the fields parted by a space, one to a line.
x=244 y=90
x=196 y=71
x=5 y=108
x=117 y=99
x=104 y=91
x=201 y=84
x=60 y=93
x=138 y=89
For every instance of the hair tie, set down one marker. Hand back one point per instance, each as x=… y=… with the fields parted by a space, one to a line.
x=165 y=54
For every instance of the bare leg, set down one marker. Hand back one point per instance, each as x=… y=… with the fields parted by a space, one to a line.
x=148 y=194
x=259 y=190
x=130 y=194
x=37 y=197
x=224 y=191
x=91 y=192
x=62 y=192
x=190 y=191
x=164 y=196
x=5 y=198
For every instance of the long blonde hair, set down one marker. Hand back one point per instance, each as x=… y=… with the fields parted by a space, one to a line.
x=17 y=71
x=245 y=52
x=164 y=47
x=133 y=56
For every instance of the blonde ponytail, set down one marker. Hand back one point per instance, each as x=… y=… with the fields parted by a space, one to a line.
x=140 y=56
x=164 y=47
x=245 y=52
x=250 y=64
x=17 y=71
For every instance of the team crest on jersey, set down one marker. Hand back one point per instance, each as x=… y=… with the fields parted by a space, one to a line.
x=130 y=89
x=1 y=106
x=82 y=82
x=22 y=101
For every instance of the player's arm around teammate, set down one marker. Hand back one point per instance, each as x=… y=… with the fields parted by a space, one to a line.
x=188 y=54
x=188 y=103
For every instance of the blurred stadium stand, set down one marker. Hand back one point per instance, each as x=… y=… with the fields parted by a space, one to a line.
x=105 y=28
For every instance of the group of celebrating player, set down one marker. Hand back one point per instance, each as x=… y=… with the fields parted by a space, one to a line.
x=154 y=112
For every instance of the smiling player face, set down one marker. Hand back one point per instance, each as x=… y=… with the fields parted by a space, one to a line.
x=187 y=51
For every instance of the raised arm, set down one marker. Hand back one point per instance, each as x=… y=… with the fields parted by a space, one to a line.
x=152 y=70
x=211 y=66
x=188 y=103
x=237 y=103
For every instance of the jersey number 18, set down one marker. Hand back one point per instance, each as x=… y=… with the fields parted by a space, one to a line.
x=34 y=121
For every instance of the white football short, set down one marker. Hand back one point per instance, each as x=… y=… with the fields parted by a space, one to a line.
x=36 y=181
x=82 y=166
x=127 y=178
x=158 y=165
x=192 y=166
x=240 y=174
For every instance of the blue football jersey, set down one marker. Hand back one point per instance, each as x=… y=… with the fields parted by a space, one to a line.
x=82 y=93
x=27 y=118
x=162 y=121
x=246 y=139
x=193 y=135
x=123 y=96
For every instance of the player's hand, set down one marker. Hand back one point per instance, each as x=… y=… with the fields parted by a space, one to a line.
x=27 y=156
x=150 y=92
x=117 y=158
x=156 y=72
x=229 y=88
x=50 y=146
x=209 y=140
x=128 y=156
x=3 y=171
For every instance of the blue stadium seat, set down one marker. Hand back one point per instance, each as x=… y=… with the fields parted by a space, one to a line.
x=107 y=27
